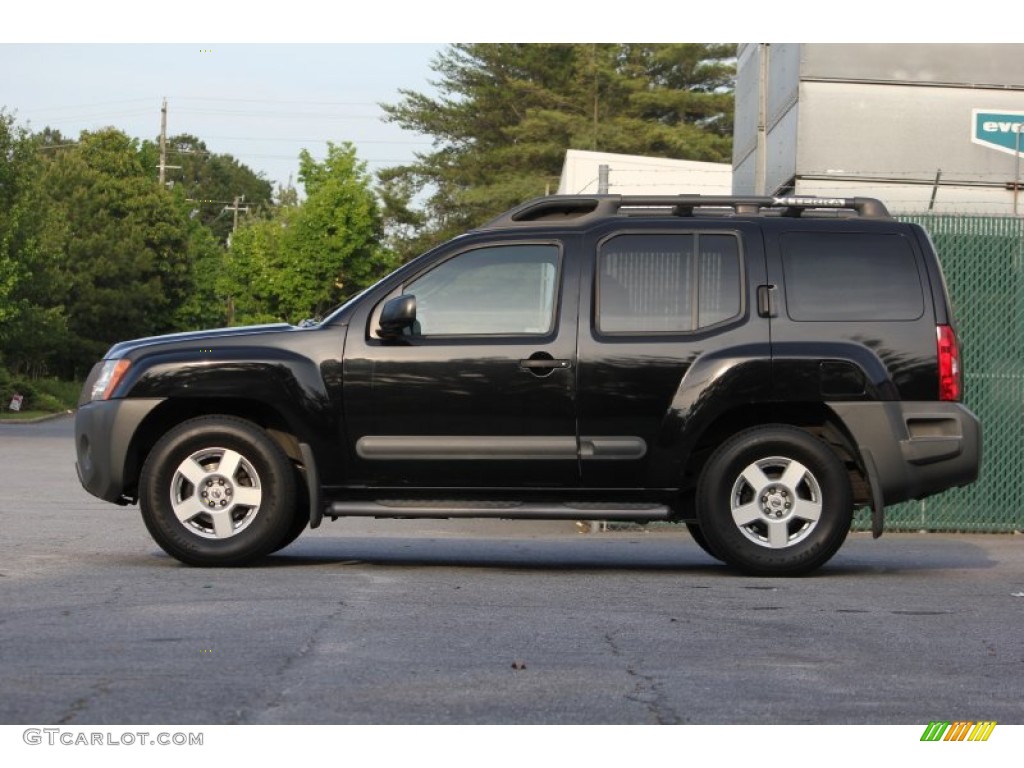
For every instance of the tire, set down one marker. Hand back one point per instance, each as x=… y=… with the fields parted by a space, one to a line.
x=774 y=501
x=299 y=523
x=702 y=541
x=218 y=491
x=300 y=517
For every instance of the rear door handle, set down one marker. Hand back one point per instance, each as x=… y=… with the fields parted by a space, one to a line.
x=766 y=301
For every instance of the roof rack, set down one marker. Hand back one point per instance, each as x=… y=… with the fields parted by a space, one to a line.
x=579 y=209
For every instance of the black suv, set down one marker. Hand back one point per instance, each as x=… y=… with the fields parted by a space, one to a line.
x=755 y=368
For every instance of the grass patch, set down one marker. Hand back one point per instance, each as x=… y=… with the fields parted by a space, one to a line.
x=40 y=396
x=6 y=415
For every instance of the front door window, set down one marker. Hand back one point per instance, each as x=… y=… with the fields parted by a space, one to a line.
x=504 y=290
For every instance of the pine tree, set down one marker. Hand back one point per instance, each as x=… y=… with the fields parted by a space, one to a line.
x=505 y=114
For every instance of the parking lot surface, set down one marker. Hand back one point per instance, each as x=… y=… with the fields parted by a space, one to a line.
x=363 y=622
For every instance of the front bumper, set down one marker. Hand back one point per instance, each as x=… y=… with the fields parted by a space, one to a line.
x=104 y=430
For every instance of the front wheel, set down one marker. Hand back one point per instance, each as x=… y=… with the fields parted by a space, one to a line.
x=218 y=491
x=300 y=518
x=774 y=501
x=701 y=540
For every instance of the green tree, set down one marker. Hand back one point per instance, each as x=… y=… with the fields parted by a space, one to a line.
x=254 y=286
x=93 y=251
x=202 y=306
x=18 y=161
x=405 y=225
x=212 y=182
x=309 y=256
x=111 y=258
x=33 y=328
x=506 y=113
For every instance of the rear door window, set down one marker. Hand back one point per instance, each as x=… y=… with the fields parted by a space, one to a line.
x=667 y=283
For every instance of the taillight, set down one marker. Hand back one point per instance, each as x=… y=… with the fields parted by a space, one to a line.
x=949 y=364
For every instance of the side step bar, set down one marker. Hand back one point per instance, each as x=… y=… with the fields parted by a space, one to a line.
x=499 y=509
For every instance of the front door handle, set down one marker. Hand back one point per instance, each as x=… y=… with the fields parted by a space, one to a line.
x=541 y=364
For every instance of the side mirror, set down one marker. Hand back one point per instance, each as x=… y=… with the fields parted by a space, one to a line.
x=397 y=314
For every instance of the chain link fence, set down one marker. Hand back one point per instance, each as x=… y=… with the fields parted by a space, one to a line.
x=982 y=259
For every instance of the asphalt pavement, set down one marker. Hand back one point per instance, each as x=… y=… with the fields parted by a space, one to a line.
x=408 y=622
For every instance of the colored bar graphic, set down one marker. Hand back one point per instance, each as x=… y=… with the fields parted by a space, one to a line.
x=935 y=730
x=958 y=731
x=982 y=731
x=961 y=730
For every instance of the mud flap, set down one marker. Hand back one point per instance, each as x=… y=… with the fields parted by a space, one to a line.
x=316 y=509
x=877 y=502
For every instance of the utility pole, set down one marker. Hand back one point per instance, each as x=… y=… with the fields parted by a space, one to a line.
x=236 y=208
x=761 y=153
x=163 y=142
x=163 y=146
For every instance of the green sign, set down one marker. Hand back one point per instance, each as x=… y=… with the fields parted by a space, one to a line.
x=997 y=129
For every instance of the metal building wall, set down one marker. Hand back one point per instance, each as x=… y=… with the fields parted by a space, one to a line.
x=765 y=127
x=745 y=133
x=639 y=175
x=892 y=121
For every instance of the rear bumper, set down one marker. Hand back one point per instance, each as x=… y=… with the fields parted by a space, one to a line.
x=103 y=435
x=914 y=449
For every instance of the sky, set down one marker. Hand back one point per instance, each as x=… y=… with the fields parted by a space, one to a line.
x=261 y=103
x=261 y=81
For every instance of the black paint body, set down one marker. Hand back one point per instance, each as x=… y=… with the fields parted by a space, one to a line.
x=616 y=417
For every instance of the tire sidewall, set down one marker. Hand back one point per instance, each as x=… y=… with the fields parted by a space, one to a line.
x=277 y=506
x=701 y=540
x=300 y=518
x=714 y=501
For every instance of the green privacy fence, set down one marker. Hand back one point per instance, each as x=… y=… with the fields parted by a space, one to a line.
x=982 y=260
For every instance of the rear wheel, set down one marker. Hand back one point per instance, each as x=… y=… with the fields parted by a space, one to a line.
x=218 y=491
x=774 y=501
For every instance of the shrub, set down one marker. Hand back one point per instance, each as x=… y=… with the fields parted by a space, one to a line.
x=51 y=395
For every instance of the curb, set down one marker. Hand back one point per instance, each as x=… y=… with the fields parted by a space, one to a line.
x=37 y=420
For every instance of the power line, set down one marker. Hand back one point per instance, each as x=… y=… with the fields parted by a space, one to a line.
x=280 y=101
x=99 y=116
x=89 y=105
x=315 y=141
x=290 y=115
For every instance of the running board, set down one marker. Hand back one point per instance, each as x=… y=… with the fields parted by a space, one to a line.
x=499 y=509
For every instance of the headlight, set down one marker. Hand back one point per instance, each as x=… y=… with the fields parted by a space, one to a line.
x=110 y=376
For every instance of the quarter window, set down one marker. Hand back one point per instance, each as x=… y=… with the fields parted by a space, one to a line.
x=506 y=290
x=667 y=283
x=850 y=276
